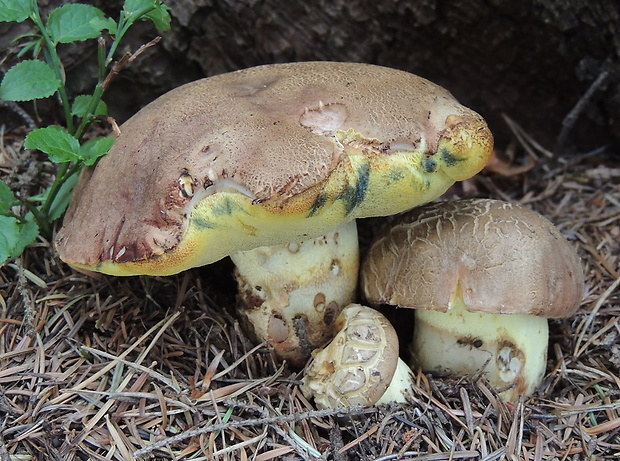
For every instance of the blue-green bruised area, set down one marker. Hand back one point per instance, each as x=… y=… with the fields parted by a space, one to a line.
x=353 y=195
x=321 y=200
x=429 y=165
x=448 y=159
x=223 y=206
x=394 y=175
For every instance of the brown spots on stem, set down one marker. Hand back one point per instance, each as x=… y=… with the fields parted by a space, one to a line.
x=332 y=311
x=277 y=329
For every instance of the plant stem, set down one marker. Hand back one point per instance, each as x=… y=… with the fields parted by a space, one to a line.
x=124 y=23
x=13 y=215
x=73 y=170
x=45 y=227
x=54 y=188
x=54 y=63
x=42 y=215
x=100 y=59
x=85 y=122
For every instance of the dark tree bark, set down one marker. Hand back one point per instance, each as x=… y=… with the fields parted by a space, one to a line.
x=532 y=60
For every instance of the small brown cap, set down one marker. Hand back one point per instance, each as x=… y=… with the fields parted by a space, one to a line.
x=357 y=367
x=500 y=257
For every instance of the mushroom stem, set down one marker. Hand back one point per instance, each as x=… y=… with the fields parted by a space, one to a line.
x=291 y=294
x=510 y=349
x=400 y=386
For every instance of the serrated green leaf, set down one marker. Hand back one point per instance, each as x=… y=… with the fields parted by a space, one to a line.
x=62 y=199
x=154 y=10
x=160 y=16
x=28 y=80
x=108 y=24
x=28 y=233
x=15 y=10
x=92 y=149
x=75 y=22
x=112 y=27
x=59 y=145
x=82 y=103
x=7 y=199
x=9 y=237
x=134 y=7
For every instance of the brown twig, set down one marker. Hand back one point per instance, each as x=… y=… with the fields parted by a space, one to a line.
x=124 y=60
x=351 y=411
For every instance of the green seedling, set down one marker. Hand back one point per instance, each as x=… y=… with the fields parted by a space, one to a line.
x=23 y=219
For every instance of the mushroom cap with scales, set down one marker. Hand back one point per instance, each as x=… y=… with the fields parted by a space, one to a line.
x=501 y=258
x=463 y=265
x=360 y=366
x=266 y=155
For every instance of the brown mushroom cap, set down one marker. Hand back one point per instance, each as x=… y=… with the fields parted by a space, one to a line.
x=501 y=257
x=266 y=155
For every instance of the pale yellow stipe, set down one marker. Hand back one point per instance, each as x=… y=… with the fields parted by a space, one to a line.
x=510 y=349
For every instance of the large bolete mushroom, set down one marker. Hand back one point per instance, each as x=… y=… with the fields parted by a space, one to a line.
x=268 y=156
x=465 y=265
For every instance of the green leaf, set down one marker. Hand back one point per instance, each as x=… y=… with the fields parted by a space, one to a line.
x=60 y=203
x=9 y=237
x=34 y=45
x=76 y=22
x=28 y=233
x=104 y=23
x=7 y=199
x=154 y=10
x=38 y=197
x=28 y=80
x=82 y=103
x=55 y=142
x=15 y=10
x=160 y=16
x=135 y=7
x=112 y=27
x=92 y=149
x=62 y=199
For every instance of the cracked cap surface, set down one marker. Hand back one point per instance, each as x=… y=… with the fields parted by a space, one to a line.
x=498 y=257
x=263 y=156
x=357 y=366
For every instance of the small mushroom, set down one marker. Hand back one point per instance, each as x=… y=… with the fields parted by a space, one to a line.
x=360 y=366
x=465 y=265
x=272 y=155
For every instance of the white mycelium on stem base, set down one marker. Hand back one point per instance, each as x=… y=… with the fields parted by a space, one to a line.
x=483 y=275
